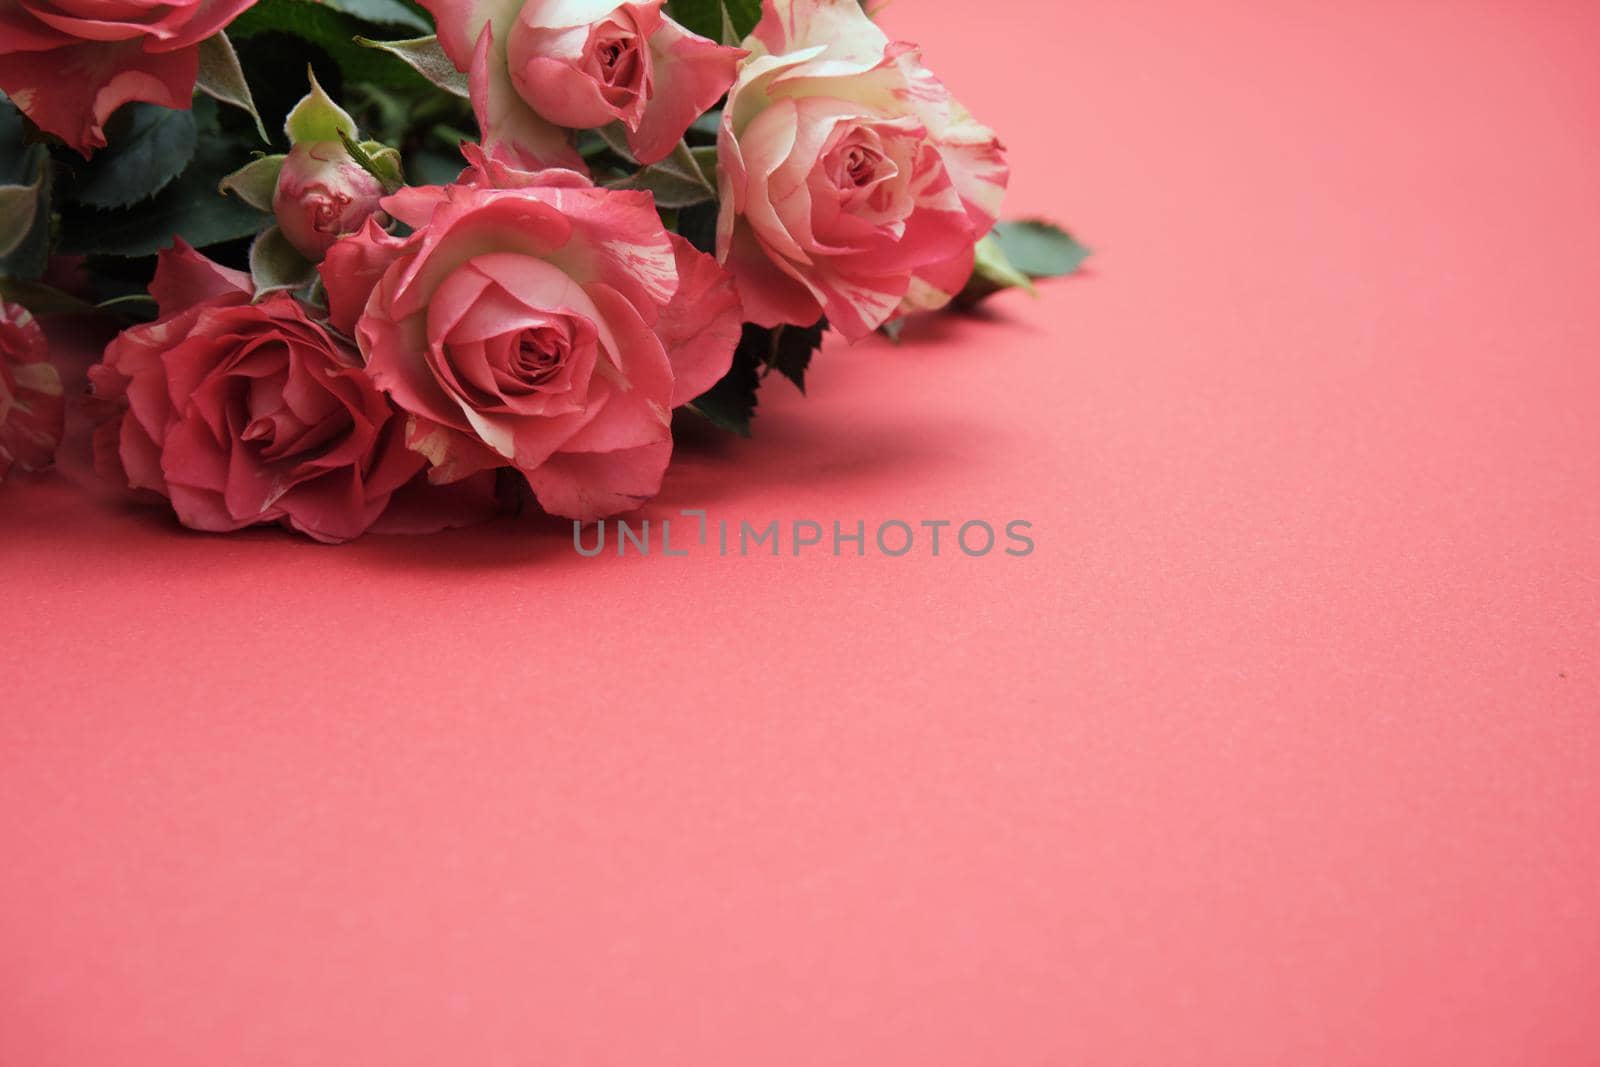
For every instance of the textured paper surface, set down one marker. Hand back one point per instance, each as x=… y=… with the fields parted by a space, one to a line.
x=1282 y=747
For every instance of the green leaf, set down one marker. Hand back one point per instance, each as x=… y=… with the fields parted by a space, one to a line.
x=24 y=198
x=276 y=264
x=148 y=146
x=1040 y=249
x=727 y=21
x=42 y=299
x=708 y=125
x=329 y=30
x=221 y=78
x=133 y=305
x=16 y=167
x=255 y=182
x=789 y=350
x=191 y=208
x=19 y=209
x=1017 y=253
x=731 y=403
x=427 y=58
x=993 y=263
x=705 y=157
x=676 y=182
x=615 y=136
x=992 y=273
x=384 y=12
x=317 y=118
x=428 y=167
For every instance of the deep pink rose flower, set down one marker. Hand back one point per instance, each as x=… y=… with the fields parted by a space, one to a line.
x=539 y=67
x=68 y=64
x=321 y=195
x=537 y=322
x=852 y=185
x=31 y=404
x=242 y=413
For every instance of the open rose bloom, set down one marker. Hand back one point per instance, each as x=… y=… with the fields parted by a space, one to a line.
x=68 y=64
x=244 y=413
x=540 y=67
x=852 y=185
x=539 y=323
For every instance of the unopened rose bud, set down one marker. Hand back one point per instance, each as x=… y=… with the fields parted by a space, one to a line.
x=323 y=194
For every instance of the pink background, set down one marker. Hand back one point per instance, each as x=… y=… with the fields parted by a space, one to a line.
x=1282 y=747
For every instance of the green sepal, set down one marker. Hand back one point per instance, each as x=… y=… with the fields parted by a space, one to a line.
x=317 y=118
x=1015 y=255
x=255 y=182
x=276 y=265
x=378 y=160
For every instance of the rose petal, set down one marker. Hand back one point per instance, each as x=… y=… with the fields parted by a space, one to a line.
x=701 y=327
x=587 y=486
x=691 y=74
x=351 y=270
x=420 y=507
x=512 y=130
x=71 y=91
x=185 y=278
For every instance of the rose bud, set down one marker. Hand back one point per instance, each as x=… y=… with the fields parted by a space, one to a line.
x=323 y=194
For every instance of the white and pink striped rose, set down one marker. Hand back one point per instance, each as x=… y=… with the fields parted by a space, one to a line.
x=539 y=68
x=31 y=402
x=536 y=322
x=852 y=185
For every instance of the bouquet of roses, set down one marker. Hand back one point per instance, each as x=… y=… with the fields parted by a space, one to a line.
x=497 y=242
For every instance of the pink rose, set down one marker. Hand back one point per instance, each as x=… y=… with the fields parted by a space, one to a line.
x=321 y=195
x=536 y=322
x=68 y=64
x=851 y=184
x=31 y=404
x=540 y=66
x=242 y=413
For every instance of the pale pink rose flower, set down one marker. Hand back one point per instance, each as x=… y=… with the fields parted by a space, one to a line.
x=68 y=64
x=31 y=404
x=852 y=185
x=541 y=67
x=323 y=194
x=539 y=323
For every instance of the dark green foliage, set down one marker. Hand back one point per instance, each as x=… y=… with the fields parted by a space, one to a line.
x=146 y=148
